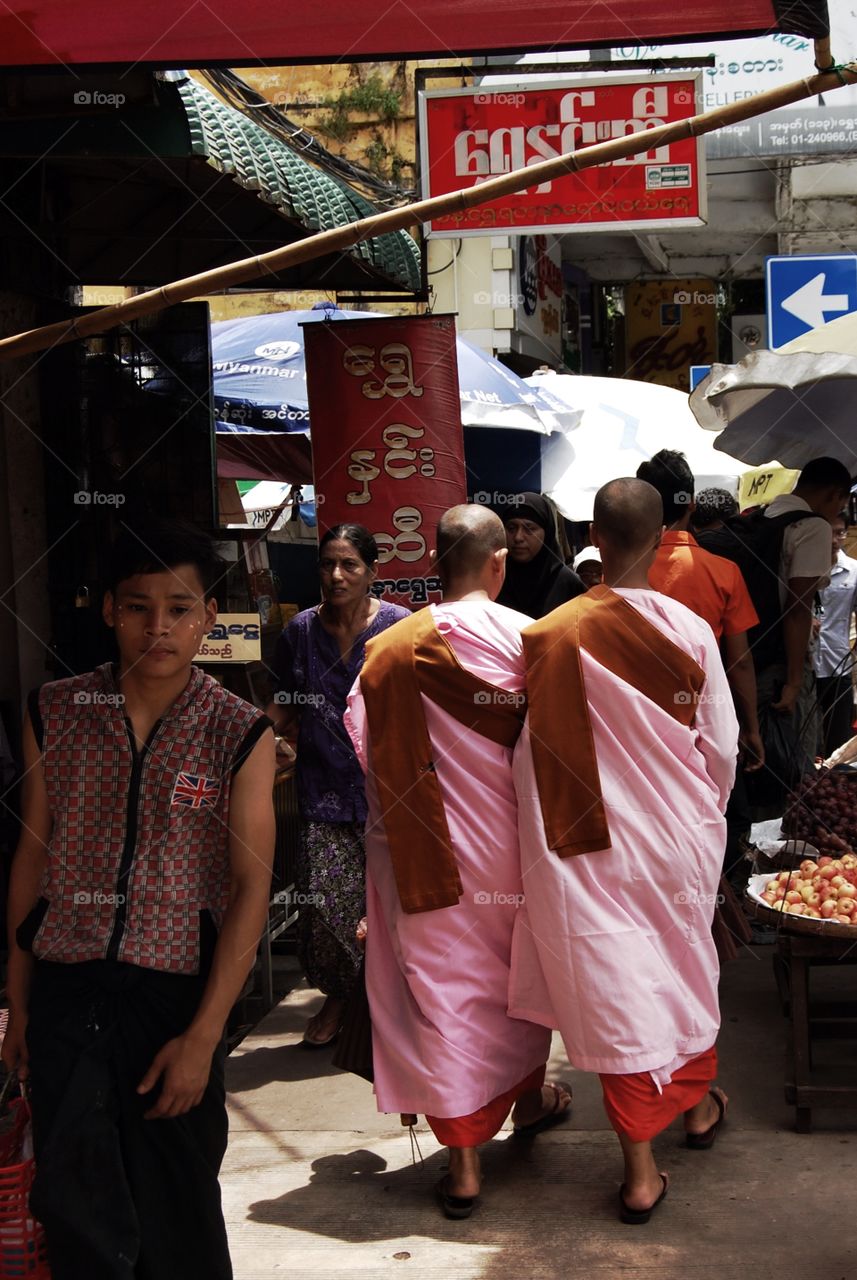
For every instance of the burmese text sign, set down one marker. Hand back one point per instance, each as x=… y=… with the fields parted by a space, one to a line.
x=235 y=637
x=470 y=135
x=387 y=443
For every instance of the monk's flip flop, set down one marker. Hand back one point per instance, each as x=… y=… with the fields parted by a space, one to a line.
x=705 y=1141
x=639 y=1217
x=456 y=1207
x=556 y=1115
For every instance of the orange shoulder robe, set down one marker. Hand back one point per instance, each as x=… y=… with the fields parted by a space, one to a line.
x=622 y=774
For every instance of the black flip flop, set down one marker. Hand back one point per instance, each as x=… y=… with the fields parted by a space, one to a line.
x=705 y=1141
x=639 y=1217
x=554 y=1116
x=456 y=1207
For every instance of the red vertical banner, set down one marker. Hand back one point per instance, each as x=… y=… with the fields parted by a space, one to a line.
x=387 y=443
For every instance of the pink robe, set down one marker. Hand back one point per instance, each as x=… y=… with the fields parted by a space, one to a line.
x=438 y=981
x=615 y=947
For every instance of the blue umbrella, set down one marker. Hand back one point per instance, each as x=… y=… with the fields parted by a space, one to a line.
x=260 y=379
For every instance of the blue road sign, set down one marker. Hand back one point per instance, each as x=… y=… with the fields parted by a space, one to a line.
x=697 y=373
x=808 y=291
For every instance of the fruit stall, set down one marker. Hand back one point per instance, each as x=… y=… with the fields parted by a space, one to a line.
x=806 y=887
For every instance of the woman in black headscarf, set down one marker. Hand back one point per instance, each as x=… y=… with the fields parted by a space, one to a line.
x=537 y=580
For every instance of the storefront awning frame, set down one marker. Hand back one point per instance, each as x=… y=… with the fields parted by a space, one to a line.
x=172 y=181
x=38 y=33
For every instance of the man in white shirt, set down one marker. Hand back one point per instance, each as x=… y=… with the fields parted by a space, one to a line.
x=833 y=656
x=822 y=488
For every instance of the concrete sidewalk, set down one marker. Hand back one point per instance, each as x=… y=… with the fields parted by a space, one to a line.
x=316 y=1184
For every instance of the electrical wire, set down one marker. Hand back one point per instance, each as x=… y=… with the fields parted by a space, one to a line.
x=240 y=95
x=447 y=265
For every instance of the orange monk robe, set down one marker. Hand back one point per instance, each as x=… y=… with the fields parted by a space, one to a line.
x=613 y=943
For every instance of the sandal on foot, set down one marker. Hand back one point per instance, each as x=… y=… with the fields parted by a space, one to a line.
x=309 y=1043
x=456 y=1207
x=319 y=1044
x=639 y=1217
x=705 y=1141
x=556 y=1115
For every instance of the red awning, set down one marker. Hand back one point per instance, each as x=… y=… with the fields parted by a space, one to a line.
x=283 y=457
x=242 y=32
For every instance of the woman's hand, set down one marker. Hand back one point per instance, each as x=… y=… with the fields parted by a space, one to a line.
x=15 y=1056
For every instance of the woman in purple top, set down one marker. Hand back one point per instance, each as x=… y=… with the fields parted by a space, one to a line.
x=319 y=656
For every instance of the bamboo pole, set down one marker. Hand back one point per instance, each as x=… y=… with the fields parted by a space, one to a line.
x=339 y=238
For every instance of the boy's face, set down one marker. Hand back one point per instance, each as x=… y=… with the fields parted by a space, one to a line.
x=159 y=620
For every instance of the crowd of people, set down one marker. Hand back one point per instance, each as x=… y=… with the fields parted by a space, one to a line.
x=563 y=736
x=462 y=1047
x=518 y=802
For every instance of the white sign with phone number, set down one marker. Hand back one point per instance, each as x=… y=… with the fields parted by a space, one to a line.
x=235 y=637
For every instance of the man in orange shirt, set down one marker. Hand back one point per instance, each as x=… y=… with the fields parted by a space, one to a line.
x=710 y=585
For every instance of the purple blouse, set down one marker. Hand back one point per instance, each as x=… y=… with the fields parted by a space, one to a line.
x=312 y=676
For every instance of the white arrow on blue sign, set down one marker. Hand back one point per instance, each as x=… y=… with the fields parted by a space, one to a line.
x=807 y=291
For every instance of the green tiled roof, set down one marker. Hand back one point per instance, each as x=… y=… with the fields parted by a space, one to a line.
x=260 y=162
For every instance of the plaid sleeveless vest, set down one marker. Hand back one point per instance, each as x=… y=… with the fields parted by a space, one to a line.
x=139 y=846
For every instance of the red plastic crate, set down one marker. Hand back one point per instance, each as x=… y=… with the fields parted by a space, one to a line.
x=23 y=1253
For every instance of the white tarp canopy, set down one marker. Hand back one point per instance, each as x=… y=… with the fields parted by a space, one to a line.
x=793 y=404
x=621 y=424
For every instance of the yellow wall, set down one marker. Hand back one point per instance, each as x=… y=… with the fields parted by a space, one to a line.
x=230 y=306
x=381 y=141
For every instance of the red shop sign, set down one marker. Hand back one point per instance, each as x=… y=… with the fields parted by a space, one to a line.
x=387 y=443
x=470 y=135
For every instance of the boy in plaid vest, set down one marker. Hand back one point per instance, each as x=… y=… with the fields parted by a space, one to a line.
x=138 y=894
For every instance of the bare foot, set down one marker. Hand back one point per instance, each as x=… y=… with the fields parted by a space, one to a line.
x=325 y=1024
x=700 y=1118
x=538 y=1103
x=643 y=1194
x=464 y=1178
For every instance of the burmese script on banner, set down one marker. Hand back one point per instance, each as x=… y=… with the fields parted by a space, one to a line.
x=387 y=442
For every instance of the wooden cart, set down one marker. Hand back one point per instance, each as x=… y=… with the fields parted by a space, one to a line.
x=813 y=1020
x=804 y=945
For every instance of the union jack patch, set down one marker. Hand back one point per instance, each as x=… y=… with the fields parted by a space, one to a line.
x=195 y=791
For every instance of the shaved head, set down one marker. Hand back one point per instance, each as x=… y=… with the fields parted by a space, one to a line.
x=466 y=538
x=628 y=514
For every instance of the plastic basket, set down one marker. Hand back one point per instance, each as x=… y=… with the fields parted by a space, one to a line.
x=23 y=1252
x=789 y=923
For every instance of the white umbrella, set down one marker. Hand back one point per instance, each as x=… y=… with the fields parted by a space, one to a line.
x=793 y=404
x=264 y=499
x=621 y=424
